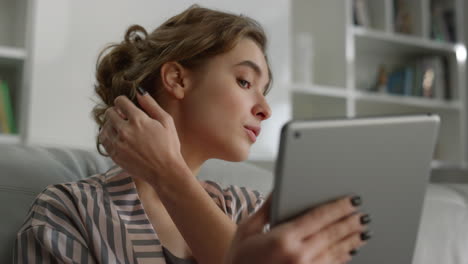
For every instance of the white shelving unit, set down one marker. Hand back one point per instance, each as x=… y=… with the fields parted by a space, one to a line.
x=12 y=54
x=347 y=57
x=14 y=61
x=9 y=139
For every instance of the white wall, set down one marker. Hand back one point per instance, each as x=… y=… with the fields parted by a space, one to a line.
x=68 y=35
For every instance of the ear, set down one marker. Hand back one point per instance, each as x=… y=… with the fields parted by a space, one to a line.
x=174 y=78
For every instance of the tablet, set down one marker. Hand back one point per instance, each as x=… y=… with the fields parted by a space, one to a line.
x=385 y=160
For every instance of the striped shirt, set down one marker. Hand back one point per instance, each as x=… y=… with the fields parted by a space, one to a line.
x=101 y=219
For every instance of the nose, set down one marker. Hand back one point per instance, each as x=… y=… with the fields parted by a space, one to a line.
x=262 y=110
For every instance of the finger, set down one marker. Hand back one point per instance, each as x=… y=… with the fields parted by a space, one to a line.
x=257 y=221
x=121 y=114
x=107 y=135
x=114 y=120
x=322 y=216
x=341 y=252
x=126 y=108
x=107 y=129
x=107 y=138
x=106 y=143
x=334 y=233
x=151 y=107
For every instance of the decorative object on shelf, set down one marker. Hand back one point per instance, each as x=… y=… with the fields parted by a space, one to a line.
x=381 y=81
x=443 y=21
x=304 y=56
x=361 y=13
x=7 y=123
x=434 y=81
x=402 y=17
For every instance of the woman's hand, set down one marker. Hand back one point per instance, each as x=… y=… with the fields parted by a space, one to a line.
x=328 y=234
x=128 y=131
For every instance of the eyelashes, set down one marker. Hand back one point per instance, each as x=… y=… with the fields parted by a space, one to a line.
x=243 y=83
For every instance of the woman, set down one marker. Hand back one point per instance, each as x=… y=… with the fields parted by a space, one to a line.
x=192 y=90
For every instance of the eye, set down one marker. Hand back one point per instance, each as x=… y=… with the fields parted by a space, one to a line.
x=243 y=83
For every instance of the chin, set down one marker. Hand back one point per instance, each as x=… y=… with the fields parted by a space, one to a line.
x=236 y=154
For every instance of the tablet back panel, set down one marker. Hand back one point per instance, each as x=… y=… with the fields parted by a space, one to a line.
x=385 y=160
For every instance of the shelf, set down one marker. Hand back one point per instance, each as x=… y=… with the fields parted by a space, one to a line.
x=448 y=173
x=443 y=165
x=9 y=55
x=9 y=139
x=390 y=43
x=320 y=90
x=408 y=101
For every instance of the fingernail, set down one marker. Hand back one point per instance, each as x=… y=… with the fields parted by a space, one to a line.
x=353 y=252
x=356 y=201
x=365 y=219
x=365 y=236
x=141 y=91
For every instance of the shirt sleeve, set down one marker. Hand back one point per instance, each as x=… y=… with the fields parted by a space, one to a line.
x=44 y=244
x=50 y=233
x=236 y=202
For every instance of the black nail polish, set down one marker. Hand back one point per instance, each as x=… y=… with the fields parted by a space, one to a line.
x=365 y=219
x=365 y=236
x=141 y=90
x=356 y=201
x=353 y=252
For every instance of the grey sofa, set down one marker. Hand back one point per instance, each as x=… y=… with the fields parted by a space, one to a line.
x=27 y=170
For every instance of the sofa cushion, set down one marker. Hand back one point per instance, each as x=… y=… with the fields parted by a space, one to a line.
x=26 y=171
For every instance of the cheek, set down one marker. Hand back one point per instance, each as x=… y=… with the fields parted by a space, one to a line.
x=220 y=102
x=217 y=108
x=204 y=111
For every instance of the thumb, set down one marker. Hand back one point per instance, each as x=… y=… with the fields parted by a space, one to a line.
x=149 y=105
x=256 y=222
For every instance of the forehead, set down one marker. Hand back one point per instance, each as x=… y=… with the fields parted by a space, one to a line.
x=245 y=50
x=246 y=47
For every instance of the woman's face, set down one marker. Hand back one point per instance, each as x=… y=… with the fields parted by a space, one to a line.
x=223 y=110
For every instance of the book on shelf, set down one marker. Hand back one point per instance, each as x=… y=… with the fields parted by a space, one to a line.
x=361 y=13
x=6 y=110
x=3 y=118
x=424 y=77
x=442 y=24
x=403 y=20
x=397 y=81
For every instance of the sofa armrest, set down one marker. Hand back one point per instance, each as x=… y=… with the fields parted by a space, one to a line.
x=443 y=233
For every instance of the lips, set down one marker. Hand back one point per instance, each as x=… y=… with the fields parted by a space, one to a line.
x=253 y=132
x=255 y=129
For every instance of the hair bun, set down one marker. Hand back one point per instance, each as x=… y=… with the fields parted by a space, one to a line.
x=136 y=34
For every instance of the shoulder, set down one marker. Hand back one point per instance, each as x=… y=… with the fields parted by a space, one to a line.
x=236 y=201
x=71 y=192
x=64 y=206
x=80 y=191
x=74 y=212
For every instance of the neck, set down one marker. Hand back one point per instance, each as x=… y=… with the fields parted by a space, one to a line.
x=193 y=157
x=147 y=192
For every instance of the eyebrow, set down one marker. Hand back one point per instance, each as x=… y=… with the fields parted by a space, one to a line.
x=256 y=69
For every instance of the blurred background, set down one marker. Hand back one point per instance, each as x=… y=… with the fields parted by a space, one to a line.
x=330 y=58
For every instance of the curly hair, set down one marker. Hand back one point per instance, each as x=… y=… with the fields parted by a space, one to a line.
x=189 y=38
